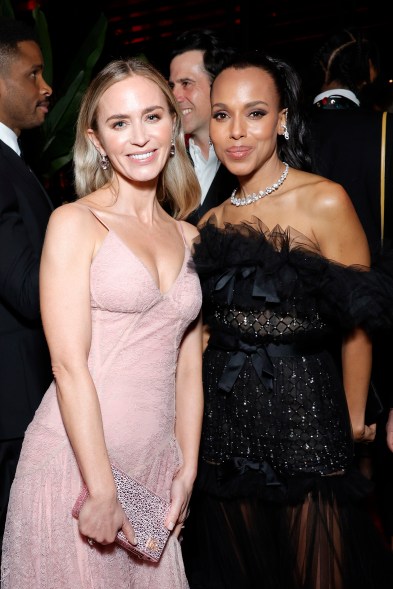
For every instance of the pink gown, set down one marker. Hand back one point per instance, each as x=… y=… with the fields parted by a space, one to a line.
x=136 y=333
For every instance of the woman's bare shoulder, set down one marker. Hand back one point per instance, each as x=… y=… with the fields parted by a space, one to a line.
x=334 y=221
x=73 y=221
x=216 y=213
x=190 y=232
x=323 y=196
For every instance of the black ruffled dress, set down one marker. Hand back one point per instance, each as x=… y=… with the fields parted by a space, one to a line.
x=277 y=502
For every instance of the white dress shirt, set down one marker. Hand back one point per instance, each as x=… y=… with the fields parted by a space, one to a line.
x=204 y=169
x=9 y=137
x=337 y=91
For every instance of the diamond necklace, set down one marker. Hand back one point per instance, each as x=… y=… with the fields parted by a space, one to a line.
x=250 y=198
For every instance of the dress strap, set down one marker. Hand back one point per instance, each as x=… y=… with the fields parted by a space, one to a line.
x=97 y=216
x=182 y=232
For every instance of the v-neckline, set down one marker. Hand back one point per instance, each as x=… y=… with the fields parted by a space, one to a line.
x=147 y=271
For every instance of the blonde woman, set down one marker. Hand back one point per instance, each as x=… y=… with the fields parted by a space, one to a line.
x=120 y=308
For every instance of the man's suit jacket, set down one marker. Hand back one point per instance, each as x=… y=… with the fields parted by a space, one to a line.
x=220 y=189
x=347 y=149
x=25 y=370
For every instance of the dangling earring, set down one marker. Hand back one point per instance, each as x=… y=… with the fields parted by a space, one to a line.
x=104 y=163
x=284 y=126
x=172 y=151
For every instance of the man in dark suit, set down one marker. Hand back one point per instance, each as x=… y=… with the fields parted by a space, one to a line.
x=348 y=150
x=346 y=135
x=197 y=57
x=25 y=370
x=346 y=139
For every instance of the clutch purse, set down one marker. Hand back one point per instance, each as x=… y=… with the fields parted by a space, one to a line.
x=146 y=512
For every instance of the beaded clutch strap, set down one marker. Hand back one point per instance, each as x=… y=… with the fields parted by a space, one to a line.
x=146 y=512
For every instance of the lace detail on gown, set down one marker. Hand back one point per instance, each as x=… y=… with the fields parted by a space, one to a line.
x=136 y=332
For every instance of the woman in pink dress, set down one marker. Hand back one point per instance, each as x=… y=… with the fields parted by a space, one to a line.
x=121 y=310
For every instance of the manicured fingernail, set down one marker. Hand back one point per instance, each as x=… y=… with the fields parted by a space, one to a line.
x=171 y=525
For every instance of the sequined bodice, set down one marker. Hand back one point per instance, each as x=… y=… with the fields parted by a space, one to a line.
x=272 y=386
x=267 y=323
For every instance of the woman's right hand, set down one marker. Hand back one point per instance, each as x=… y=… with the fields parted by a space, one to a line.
x=101 y=519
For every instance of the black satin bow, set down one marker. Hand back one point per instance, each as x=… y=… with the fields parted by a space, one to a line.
x=238 y=466
x=240 y=351
x=263 y=287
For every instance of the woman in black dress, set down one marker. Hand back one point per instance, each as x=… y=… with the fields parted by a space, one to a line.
x=288 y=303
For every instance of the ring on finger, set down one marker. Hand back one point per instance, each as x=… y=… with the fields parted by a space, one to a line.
x=91 y=542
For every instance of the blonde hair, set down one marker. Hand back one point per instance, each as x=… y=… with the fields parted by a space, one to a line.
x=177 y=185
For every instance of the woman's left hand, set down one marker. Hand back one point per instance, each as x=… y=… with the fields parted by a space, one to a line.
x=180 y=497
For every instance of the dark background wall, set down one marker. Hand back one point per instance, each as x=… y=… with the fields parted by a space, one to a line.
x=291 y=29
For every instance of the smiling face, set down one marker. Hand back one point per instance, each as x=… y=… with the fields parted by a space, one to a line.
x=246 y=119
x=190 y=84
x=134 y=128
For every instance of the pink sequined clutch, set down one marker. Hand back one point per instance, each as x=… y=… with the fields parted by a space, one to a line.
x=146 y=512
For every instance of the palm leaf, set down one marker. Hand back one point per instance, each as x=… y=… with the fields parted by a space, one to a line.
x=6 y=9
x=59 y=127
x=41 y=27
x=55 y=117
x=89 y=53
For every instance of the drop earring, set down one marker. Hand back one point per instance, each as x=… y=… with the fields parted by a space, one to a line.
x=172 y=151
x=104 y=163
x=284 y=126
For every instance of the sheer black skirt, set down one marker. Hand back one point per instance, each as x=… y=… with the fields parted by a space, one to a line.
x=321 y=536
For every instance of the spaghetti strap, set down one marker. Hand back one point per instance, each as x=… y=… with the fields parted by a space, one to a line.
x=182 y=233
x=96 y=215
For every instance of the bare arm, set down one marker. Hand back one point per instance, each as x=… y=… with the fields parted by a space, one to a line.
x=69 y=247
x=189 y=409
x=356 y=360
x=342 y=239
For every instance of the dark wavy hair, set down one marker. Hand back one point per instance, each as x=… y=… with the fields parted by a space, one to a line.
x=216 y=52
x=296 y=151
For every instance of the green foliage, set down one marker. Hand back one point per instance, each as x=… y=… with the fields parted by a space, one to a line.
x=58 y=131
x=45 y=44
x=6 y=9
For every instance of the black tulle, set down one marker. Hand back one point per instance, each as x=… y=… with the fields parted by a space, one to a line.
x=277 y=503
x=287 y=264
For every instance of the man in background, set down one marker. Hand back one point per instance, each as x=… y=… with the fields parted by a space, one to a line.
x=25 y=370
x=346 y=135
x=196 y=58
